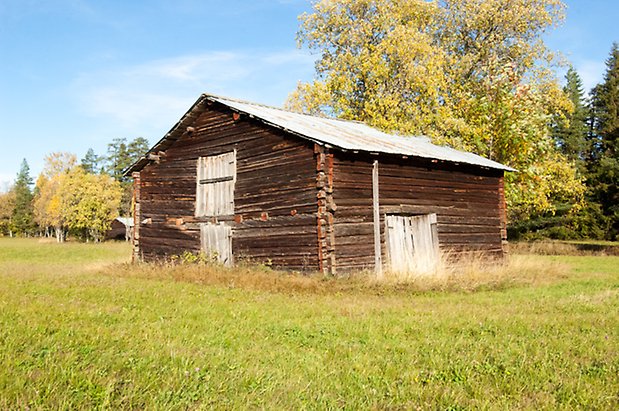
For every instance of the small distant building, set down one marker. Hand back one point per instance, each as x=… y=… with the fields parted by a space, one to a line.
x=121 y=229
x=243 y=180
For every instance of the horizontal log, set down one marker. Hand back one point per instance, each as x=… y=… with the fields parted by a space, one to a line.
x=276 y=241
x=275 y=222
x=460 y=190
x=170 y=244
x=301 y=259
x=348 y=197
x=273 y=205
x=468 y=228
x=164 y=234
x=289 y=233
x=475 y=220
x=354 y=229
x=355 y=180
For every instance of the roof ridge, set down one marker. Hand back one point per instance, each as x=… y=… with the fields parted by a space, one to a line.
x=252 y=103
x=238 y=100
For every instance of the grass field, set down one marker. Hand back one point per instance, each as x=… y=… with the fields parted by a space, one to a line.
x=79 y=329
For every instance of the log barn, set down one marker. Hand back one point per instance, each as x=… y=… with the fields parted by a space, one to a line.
x=120 y=229
x=239 y=180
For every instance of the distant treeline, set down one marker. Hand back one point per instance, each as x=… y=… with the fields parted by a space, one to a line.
x=70 y=197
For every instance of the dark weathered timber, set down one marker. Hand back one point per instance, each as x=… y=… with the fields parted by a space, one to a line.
x=303 y=205
x=275 y=192
x=465 y=199
x=325 y=210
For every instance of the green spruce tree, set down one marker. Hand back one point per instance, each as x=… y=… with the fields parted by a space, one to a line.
x=23 y=217
x=91 y=163
x=571 y=132
x=137 y=148
x=604 y=161
x=120 y=156
x=117 y=158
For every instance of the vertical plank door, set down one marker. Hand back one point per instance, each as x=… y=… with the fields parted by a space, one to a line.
x=216 y=241
x=412 y=246
x=215 y=179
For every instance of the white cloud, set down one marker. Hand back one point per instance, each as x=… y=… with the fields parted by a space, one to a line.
x=149 y=97
x=217 y=65
x=591 y=72
x=130 y=108
x=5 y=182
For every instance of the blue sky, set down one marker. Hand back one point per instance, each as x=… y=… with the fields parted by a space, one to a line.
x=75 y=74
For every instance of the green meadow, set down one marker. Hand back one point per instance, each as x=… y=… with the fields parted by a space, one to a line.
x=80 y=328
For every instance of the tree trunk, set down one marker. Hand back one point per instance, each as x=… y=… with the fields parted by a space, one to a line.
x=60 y=237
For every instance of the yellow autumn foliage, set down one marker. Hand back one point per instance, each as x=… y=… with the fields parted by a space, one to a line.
x=472 y=74
x=69 y=198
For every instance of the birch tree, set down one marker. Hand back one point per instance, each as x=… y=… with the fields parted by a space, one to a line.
x=71 y=200
x=7 y=205
x=91 y=202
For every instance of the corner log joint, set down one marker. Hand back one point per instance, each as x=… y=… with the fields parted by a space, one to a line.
x=326 y=209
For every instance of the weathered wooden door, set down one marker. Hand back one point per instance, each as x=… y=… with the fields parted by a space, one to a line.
x=412 y=243
x=216 y=176
x=216 y=241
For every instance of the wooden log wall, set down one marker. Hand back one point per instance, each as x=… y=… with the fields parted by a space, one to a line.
x=275 y=192
x=353 y=223
x=466 y=200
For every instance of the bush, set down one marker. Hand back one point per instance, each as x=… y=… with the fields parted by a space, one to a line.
x=564 y=224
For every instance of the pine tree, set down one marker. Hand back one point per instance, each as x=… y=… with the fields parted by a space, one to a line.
x=571 y=132
x=117 y=158
x=91 y=163
x=23 y=217
x=604 y=164
x=120 y=156
x=137 y=148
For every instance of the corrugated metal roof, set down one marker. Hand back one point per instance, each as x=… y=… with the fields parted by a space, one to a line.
x=341 y=134
x=127 y=221
x=355 y=136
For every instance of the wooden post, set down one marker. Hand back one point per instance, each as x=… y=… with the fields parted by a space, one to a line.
x=135 y=256
x=503 y=216
x=378 y=264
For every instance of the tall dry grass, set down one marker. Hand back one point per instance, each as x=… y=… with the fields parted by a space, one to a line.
x=477 y=272
x=466 y=274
